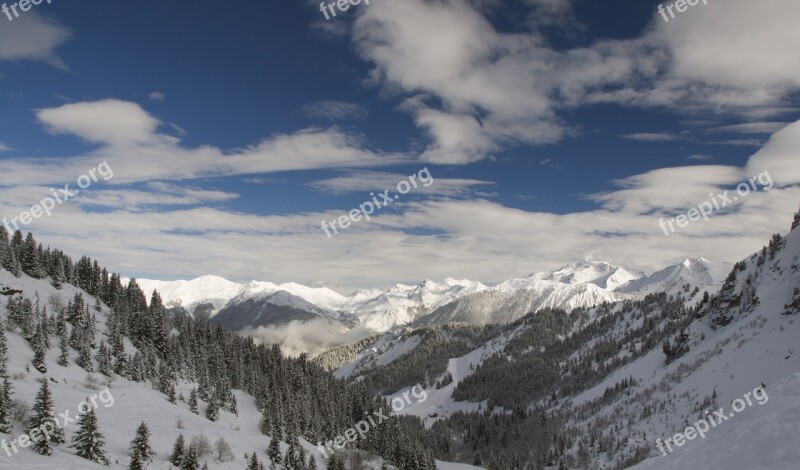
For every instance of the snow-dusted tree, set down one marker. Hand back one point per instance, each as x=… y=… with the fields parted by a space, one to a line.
x=5 y=406
x=274 y=449
x=193 y=401
x=142 y=452
x=189 y=461
x=796 y=221
x=103 y=358
x=177 y=451
x=3 y=352
x=39 y=357
x=253 y=464
x=224 y=453
x=44 y=418
x=30 y=258
x=63 y=347
x=88 y=441
x=312 y=463
x=85 y=358
x=212 y=412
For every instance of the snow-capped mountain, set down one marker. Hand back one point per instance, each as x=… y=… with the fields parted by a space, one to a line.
x=209 y=296
x=581 y=284
x=191 y=294
x=699 y=273
x=599 y=273
x=402 y=304
x=515 y=298
x=655 y=364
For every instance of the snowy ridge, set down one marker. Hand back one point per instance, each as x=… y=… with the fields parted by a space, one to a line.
x=697 y=273
x=599 y=273
x=582 y=284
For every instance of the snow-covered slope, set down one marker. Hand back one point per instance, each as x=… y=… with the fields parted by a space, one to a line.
x=212 y=290
x=402 y=304
x=691 y=279
x=514 y=299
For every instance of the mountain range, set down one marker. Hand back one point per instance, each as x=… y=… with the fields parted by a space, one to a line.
x=582 y=284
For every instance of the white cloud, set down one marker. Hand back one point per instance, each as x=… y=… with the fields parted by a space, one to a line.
x=4 y=147
x=476 y=90
x=752 y=128
x=32 y=37
x=135 y=150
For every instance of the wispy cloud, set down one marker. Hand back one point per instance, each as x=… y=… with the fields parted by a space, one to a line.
x=651 y=137
x=365 y=181
x=156 y=96
x=334 y=110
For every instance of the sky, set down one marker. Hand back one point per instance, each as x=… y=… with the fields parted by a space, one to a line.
x=552 y=130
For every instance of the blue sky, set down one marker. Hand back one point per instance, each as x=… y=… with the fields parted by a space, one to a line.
x=555 y=130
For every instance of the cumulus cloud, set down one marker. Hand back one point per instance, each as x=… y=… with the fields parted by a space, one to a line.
x=476 y=90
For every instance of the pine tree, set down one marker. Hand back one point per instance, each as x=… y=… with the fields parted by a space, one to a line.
x=796 y=222
x=5 y=407
x=44 y=418
x=253 y=465
x=193 y=401
x=141 y=449
x=212 y=412
x=190 y=460
x=39 y=357
x=63 y=346
x=177 y=451
x=274 y=449
x=30 y=258
x=3 y=352
x=85 y=358
x=312 y=463
x=88 y=441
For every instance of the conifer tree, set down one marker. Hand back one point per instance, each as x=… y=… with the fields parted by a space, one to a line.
x=88 y=441
x=193 y=401
x=253 y=465
x=312 y=463
x=63 y=346
x=3 y=352
x=44 y=418
x=189 y=461
x=30 y=258
x=177 y=451
x=85 y=358
x=212 y=412
x=141 y=449
x=5 y=406
x=274 y=449
x=39 y=357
